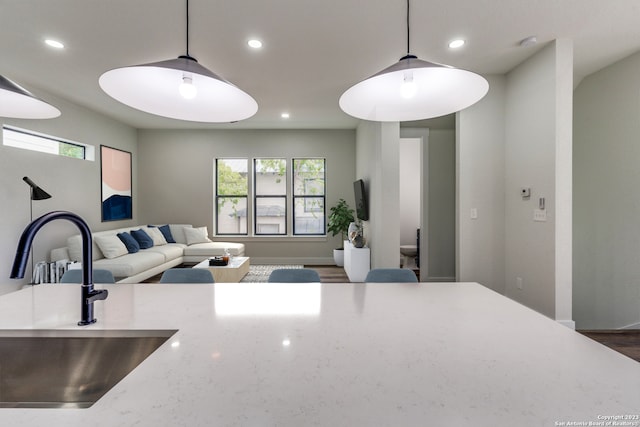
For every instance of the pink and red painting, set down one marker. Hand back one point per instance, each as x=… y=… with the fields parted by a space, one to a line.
x=115 y=166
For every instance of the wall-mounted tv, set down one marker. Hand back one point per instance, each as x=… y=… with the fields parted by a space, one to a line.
x=362 y=204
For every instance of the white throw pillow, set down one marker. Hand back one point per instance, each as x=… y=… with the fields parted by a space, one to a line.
x=156 y=235
x=196 y=235
x=111 y=246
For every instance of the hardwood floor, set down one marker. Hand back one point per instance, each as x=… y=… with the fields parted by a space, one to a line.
x=330 y=273
x=626 y=341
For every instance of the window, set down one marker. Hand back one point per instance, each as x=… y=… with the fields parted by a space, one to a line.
x=270 y=196
x=27 y=140
x=232 y=192
x=279 y=186
x=308 y=196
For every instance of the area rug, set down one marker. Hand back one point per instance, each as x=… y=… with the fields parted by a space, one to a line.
x=260 y=273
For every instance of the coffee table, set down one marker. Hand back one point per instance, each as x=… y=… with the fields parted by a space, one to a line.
x=233 y=272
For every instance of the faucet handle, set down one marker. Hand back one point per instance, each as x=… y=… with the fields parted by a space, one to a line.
x=96 y=295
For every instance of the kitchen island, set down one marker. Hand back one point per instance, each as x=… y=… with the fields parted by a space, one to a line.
x=267 y=354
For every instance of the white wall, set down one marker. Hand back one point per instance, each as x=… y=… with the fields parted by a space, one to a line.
x=410 y=189
x=606 y=215
x=73 y=184
x=176 y=179
x=377 y=163
x=536 y=134
x=480 y=157
x=532 y=148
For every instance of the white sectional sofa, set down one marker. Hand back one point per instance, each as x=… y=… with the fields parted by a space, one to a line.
x=145 y=263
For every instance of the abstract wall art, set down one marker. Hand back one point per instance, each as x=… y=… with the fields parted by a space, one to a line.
x=115 y=170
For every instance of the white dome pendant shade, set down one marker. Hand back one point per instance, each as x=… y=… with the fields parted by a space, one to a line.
x=18 y=103
x=179 y=89
x=413 y=89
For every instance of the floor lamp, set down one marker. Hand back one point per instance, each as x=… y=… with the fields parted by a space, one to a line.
x=37 y=193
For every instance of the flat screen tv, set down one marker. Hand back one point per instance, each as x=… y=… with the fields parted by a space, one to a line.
x=362 y=204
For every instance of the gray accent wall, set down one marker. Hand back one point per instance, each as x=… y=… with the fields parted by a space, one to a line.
x=73 y=184
x=606 y=215
x=176 y=180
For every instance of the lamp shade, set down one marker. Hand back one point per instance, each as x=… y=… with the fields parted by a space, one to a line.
x=18 y=103
x=156 y=88
x=413 y=89
x=37 y=193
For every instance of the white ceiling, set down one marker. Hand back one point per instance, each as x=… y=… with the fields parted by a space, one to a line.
x=313 y=49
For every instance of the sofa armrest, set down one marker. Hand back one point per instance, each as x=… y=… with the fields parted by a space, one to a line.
x=59 y=254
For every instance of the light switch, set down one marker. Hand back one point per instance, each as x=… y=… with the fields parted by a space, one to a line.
x=539 y=215
x=474 y=213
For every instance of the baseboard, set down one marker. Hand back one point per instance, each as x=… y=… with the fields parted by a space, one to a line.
x=632 y=326
x=292 y=260
x=568 y=323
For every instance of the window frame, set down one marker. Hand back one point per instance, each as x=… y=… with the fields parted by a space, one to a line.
x=53 y=143
x=257 y=196
x=218 y=197
x=305 y=197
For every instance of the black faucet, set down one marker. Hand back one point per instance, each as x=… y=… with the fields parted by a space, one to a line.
x=89 y=295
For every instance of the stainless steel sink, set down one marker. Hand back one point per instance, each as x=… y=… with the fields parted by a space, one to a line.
x=69 y=368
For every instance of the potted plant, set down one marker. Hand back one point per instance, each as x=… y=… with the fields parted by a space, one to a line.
x=340 y=216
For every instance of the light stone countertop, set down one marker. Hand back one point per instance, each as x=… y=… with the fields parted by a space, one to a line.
x=266 y=354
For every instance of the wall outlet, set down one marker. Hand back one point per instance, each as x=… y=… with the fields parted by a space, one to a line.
x=519 y=282
x=539 y=215
x=474 y=213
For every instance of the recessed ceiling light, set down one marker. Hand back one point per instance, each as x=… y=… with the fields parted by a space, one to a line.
x=454 y=44
x=285 y=115
x=255 y=43
x=54 y=43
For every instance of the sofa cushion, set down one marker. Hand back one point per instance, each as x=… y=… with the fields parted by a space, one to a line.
x=128 y=240
x=177 y=231
x=143 y=238
x=156 y=235
x=131 y=264
x=111 y=246
x=166 y=232
x=196 y=235
x=214 y=249
x=170 y=251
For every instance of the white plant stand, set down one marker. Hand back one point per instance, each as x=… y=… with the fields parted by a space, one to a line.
x=356 y=262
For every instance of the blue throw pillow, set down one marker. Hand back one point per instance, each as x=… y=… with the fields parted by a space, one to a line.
x=166 y=232
x=131 y=243
x=142 y=238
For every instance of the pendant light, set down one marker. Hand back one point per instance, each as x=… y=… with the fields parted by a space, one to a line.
x=179 y=88
x=413 y=89
x=18 y=103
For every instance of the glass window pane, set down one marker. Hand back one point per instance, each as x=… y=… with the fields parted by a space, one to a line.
x=71 y=150
x=309 y=215
x=271 y=177
x=308 y=177
x=232 y=215
x=271 y=215
x=39 y=142
x=232 y=177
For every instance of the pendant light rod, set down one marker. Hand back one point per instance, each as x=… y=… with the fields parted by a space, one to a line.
x=408 y=50
x=188 y=29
